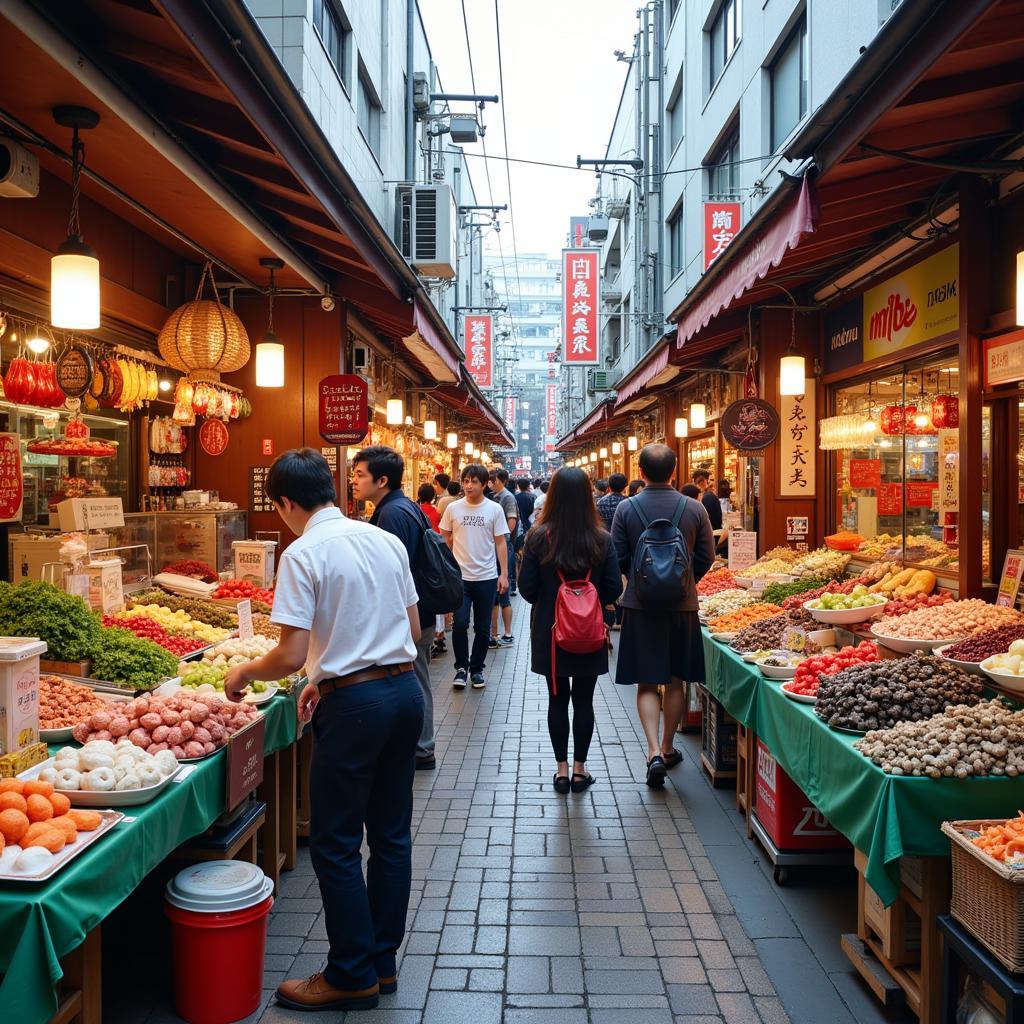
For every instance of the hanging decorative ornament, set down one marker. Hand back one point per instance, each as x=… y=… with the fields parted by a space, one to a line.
x=74 y=371
x=184 y=392
x=204 y=338
x=946 y=412
x=234 y=406
x=183 y=414
x=201 y=398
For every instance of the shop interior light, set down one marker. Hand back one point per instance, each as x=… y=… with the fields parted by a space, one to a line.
x=603 y=453
x=616 y=447
x=698 y=415
x=270 y=351
x=453 y=440
x=467 y=448
x=1020 y=289
x=37 y=344
x=476 y=454
x=408 y=421
x=921 y=419
x=165 y=384
x=395 y=412
x=593 y=456
x=682 y=427
x=485 y=456
x=430 y=430
x=632 y=442
x=792 y=375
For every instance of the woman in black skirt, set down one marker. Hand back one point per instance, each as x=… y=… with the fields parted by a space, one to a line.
x=569 y=539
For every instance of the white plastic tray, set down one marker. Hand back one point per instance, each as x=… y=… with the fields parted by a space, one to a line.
x=95 y=798
x=70 y=851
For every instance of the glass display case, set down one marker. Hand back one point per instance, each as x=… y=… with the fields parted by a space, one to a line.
x=192 y=534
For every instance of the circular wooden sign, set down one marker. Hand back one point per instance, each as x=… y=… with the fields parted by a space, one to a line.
x=749 y=424
x=213 y=436
x=74 y=372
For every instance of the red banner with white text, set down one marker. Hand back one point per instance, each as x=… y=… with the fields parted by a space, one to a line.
x=581 y=294
x=721 y=226
x=479 y=345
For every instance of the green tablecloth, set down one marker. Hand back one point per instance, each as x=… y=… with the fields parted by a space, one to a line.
x=884 y=816
x=39 y=924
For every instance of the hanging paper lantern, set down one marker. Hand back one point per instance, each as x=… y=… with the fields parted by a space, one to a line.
x=183 y=414
x=892 y=420
x=184 y=392
x=201 y=399
x=946 y=412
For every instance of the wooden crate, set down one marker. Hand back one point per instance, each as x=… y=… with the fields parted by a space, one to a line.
x=717 y=741
x=896 y=927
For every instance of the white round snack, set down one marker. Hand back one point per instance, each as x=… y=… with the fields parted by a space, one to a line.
x=101 y=746
x=128 y=781
x=149 y=774
x=69 y=757
x=100 y=780
x=89 y=759
x=166 y=761
x=125 y=761
x=32 y=860
x=68 y=779
x=49 y=775
x=8 y=857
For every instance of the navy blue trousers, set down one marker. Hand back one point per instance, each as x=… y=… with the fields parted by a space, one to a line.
x=364 y=761
x=478 y=597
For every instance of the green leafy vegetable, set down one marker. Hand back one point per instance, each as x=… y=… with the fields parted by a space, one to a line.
x=122 y=657
x=65 y=622
x=776 y=593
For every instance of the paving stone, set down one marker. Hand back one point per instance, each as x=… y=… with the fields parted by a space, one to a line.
x=449 y=978
x=683 y=970
x=462 y=1008
x=528 y=974
x=543 y=941
x=692 y=999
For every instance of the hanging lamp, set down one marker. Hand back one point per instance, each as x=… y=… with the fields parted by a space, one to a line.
x=270 y=351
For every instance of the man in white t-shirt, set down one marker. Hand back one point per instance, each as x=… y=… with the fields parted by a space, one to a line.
x=347 y=607
x=475 y=530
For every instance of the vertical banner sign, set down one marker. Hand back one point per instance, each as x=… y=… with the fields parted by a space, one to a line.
x=551 y=416
x=1009 y=581
x=796 y=444
x=343 y=409
x=580 y=298
x=949 y=470
x=480 y=348
x=721 y=226
x=11 y=480
x=508 y=410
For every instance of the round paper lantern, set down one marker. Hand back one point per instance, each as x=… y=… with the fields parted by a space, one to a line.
x=946 y=412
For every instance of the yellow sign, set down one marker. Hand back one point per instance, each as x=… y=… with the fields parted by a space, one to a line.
x=921 y=304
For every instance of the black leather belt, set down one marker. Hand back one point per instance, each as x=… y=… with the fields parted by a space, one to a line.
x=366 y=675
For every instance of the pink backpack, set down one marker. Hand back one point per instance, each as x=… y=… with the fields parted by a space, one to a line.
x=579 y=620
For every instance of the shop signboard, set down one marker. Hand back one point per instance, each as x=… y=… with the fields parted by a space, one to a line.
x=330 y=453
x=797 y=460
x=213 y=436
x=258 y=500
x=343 y=408
x=949 y=470
x=244 y=611
x=844 y=336
x=722 y=222
x=749 y=425
x=581 y=301
x=11 y=478
x=921 y=494
x=890 y=499
x=742 y=549
x=1004 y=359
x=244 y=770
x=551 y=411
x=865 y=474
x=1010 y=579
x=479 y=346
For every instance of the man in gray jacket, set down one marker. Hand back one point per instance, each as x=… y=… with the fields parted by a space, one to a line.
x=661 y=646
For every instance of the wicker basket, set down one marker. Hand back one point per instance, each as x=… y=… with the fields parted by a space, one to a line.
x=988 y=896
x=203 y=337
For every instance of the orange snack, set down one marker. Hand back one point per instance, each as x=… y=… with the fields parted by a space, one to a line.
x=3 y=842
x=38 y=828
x=13 y=824
x=51 y=839
x=11 y=785
x=12 y=799
x=1003 y=842
x=64 y=824
x=85 y=821
x=37 y=786
x=61 y=803
x=39 y=808
x=733 y=622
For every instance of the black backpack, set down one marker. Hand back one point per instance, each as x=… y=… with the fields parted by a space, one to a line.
x=437 y=575
x=661 y=562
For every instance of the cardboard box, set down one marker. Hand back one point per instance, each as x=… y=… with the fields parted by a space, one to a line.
x=30 y=552
x=19 y=692
x=896 y=927
x=21 y=760
x=90 y=513
x=254 y=561
x=106 y=589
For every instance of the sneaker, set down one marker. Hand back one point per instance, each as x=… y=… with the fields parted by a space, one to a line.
x=426 y=763
x=439 y=648
x=506 y=641
x=478 y=680
x=459 y=683
x=492 y=644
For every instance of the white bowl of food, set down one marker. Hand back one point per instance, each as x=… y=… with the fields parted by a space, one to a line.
x=974 y=667
x=1007 y=670
x=779 y=665
x=908 y=644
x=845 y=616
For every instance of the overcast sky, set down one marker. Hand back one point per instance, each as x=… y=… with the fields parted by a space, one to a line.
x=562 y=87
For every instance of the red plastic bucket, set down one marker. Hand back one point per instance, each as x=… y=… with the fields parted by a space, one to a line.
x=218 y=954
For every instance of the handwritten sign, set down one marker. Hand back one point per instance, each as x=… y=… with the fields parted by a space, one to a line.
x=865 y=474
x=330 y=453
x=890 y=499
x=1010 y=580
x=949 y=470
x=245 y=761
x=344 y=408
x=11 y=480
x=245 y=619
x=258 y=499
x=213 y=436
x=796 y=444
x=921 y=494
x=794 y=639
x=742 y=549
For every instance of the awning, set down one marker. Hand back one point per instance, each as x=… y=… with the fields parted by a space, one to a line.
x=589 y=423
x=429 y=349
x=466 y=399
x=652 y=372
x=751 y=258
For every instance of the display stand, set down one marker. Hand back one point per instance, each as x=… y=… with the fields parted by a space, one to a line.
x=80 y=990
x=746 y=762
x=962 y=950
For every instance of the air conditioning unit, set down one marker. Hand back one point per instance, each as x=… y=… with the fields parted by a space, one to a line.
x=597 y=227
x=616 y=207
x=598 y=380
x=426 y=228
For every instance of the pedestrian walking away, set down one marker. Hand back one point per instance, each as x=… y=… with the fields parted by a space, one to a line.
x=503 y=602
x=607 y=505
x=568 y=547
x=425 y=500
x=477 y=533
x=377 y=474
x=660 y=641
x=346 y=604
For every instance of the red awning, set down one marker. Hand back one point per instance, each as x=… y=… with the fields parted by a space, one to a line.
x=427 y=345
x=749 y=260
x=587 y=424
x=654 y=373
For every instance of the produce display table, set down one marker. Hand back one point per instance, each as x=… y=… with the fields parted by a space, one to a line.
x=884 y=816
x=40 y=924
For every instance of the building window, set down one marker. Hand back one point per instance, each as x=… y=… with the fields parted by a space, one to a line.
x=723 y=37
x=675 y=242
x=369 y=113
x=670 y=10
x=789 y=85
x=335 y=33
x=724 y=168
x=675 y=115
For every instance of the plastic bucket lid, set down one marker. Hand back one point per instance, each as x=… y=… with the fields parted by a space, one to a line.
x=218 y=886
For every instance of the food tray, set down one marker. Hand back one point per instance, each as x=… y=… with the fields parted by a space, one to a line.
x=64 y=735
x=70 y=851
x=844 y=616
x=988 y=896
x=907 y=645
x=723 y=638
x=849 y=732
x=800 y=698
x=777 y=671
x=95 y=799
x=746 y=582
x=1013 y=684
x=974 y=667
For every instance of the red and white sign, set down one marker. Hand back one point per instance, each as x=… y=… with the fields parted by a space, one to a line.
x=479 y=345
x=343 y=409
x=552 y=412
x=510 y=412
x=11 y=483
x=1004 y=359
x=213 y=436
x=580 y=303
x=721 y=226
x=922 y=494
x=865 y=474
x=267 y=446
x=890 y=499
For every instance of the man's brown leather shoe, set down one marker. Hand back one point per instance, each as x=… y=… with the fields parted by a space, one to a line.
x=315 y=993
x=388 y=986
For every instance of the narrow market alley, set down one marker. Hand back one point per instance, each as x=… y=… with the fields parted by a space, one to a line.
x=617 y=906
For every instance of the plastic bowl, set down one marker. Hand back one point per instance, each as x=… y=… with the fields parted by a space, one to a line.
x=844 y=616
x=823 y=637
x=973 y=667
x=800 y=698
x=907 y=645
x=1015 y=684
x=777 y=671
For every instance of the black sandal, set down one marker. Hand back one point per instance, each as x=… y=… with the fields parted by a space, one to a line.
x=586 y=781
x=671 y=760
x=656 y=772
x=561 y=783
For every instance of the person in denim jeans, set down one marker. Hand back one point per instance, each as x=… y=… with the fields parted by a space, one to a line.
x=476 y=531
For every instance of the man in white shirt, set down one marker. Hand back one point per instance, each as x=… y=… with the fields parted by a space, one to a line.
x=346 y=605
x=475 y=530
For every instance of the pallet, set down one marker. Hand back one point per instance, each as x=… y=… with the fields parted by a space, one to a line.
x=719 y=777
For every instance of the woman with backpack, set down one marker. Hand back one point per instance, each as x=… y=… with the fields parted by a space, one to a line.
x=569 y=573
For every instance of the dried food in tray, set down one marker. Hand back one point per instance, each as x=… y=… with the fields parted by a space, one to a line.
x=63 y=857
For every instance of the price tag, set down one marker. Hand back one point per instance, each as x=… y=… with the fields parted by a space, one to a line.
x=245 y=762
x=245 y=619
x=794 y=639
x=758 y=584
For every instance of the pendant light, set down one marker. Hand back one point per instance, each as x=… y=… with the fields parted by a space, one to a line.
x=870 y=424
x=616 y=447
x=37 y=344
x=430 y=430
x=476 y=454
x=792 y=367
x=395 y=412
x=593 y=456
x=453 y=440
x=699 y=415
x=269 y=351
x=467 y=448
x=603 y=453
x=632 y=442
x=1020 y=289
x=682 y=427
x=74 y=269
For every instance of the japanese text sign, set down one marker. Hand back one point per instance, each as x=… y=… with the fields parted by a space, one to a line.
x=580 y=304
x=921 y=494
x=479 y=345
x=796 y=444
x=245 y=761
x=890 y=499
x=552 y=411
x=11 y=485
x=1009 y=582
x=742 y=549
x=344 y=408
x=865 y=474
x=1004 y=359
x=949 y=470
x=213 y=436
x=721 y=226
